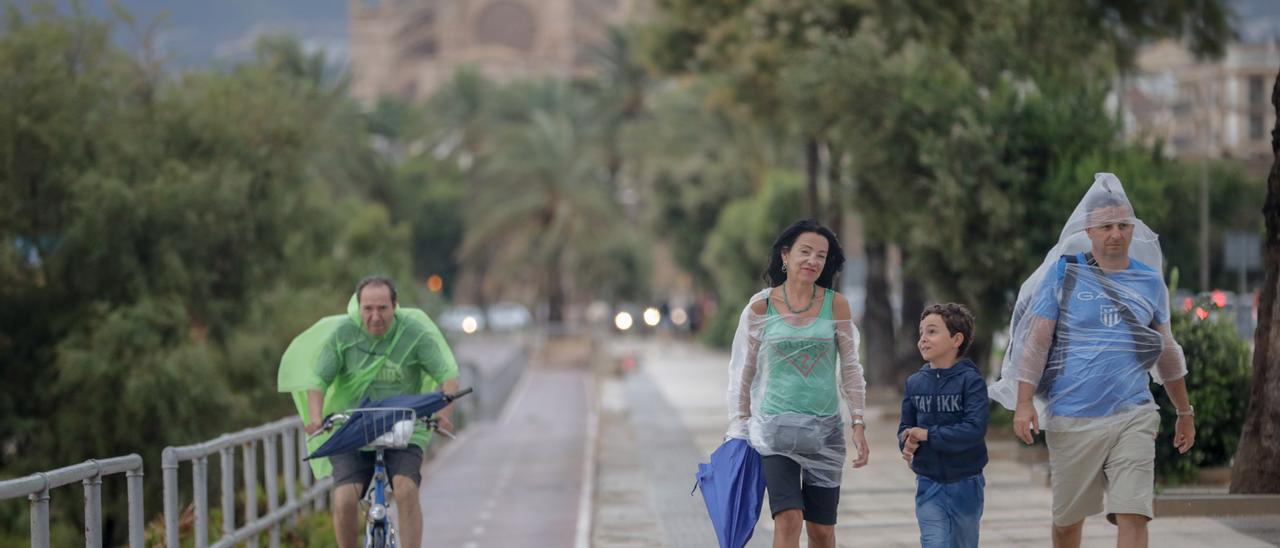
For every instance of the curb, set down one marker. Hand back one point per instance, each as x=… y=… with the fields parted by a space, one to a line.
x=1214 y=505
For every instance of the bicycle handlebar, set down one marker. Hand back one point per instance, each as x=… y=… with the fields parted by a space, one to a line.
x=331 y=419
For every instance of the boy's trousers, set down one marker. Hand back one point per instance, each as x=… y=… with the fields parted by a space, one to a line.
x=949 y=513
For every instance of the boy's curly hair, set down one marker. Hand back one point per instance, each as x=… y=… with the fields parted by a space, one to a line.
x=958 y=320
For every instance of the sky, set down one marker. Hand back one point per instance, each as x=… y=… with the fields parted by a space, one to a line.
x=1259 y=20
x=198 y=33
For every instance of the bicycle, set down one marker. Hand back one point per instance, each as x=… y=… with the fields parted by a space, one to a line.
x=379 y=532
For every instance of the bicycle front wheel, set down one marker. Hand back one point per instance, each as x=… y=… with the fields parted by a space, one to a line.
x=377 y=537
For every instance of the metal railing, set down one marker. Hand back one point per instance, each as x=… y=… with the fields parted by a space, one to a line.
x=282 y=441
x=286 y=435
x=36 y=488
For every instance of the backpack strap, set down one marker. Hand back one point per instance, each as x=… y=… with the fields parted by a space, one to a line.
x=1056 y=359
x=1069 y=276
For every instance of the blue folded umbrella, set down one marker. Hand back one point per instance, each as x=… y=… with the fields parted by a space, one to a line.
x=733 y=488
x=365 y=426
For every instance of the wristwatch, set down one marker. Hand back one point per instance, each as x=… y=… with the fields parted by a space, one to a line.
x=856 y=422
x=1190 y=412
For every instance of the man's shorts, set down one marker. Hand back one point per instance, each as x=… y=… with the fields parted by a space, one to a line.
x=783 y=481
x=1118 y=459
x=358 y=467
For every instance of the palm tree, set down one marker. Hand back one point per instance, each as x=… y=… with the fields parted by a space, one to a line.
x=544 y=203
x=459 y=118
x=461 y=126
x=620 y=93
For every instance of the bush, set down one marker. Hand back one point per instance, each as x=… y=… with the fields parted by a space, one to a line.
x=1218 y=379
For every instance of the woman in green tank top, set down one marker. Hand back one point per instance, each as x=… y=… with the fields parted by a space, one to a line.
x=794 y=360
x=801 y=362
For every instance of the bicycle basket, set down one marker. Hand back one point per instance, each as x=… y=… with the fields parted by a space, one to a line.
x=387 y=427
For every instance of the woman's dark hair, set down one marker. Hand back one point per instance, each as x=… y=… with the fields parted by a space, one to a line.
x=774 y=275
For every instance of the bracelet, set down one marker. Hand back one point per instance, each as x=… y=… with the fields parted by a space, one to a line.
x=1190 y=412
x=857 y=422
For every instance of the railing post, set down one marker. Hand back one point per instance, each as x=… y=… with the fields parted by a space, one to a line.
x=287 y=442
x=133 y=479
x=40 y=516
x=272 y=459
x=200 y=494
x=169 y=469
x=304 y=472
x=93 y=509
x=250 y=450
x=307 y=479
x=226 y=456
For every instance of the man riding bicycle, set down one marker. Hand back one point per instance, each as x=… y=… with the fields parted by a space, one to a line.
x=379 y=350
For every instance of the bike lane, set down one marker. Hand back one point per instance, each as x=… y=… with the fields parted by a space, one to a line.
x=519 y=480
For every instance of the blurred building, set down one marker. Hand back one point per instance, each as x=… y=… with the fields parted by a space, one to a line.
x=408 y=48
x=1213 y=108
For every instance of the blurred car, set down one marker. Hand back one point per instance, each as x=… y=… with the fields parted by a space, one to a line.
x=459 y=318
x=509 y=317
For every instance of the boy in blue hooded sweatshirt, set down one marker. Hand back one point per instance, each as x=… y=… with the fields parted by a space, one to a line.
x=943 y=430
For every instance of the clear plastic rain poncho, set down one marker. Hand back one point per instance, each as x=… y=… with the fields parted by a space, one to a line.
x=413 y=338
x=788 y=375
x=1087 y=337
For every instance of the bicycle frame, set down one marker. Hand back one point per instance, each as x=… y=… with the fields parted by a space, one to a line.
x=377 y=521
x=379 y=533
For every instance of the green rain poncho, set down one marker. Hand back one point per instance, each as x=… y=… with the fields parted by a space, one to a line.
x=337 y=356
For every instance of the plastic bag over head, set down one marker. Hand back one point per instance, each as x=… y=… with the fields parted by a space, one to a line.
x=1091 y=324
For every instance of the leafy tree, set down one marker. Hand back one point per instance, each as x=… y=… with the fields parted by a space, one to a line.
x=161 y=240
x=746 y=45
x=691 y=158
x=737 y=250
x=965 y=104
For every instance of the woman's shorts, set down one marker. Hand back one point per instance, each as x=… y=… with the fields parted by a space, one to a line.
x=789 y=488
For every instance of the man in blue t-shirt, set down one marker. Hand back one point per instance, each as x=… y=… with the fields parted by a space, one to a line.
x=1099 y=372
x=1100 y=321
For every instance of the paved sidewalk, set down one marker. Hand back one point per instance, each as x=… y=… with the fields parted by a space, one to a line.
x=659 y=422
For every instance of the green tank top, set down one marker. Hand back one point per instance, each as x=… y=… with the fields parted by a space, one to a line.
x=801 y=364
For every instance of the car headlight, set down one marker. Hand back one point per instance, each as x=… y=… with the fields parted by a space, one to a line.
x=622 y=321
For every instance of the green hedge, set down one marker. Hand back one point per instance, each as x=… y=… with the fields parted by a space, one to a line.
x=1218 y=379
